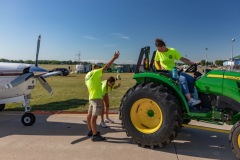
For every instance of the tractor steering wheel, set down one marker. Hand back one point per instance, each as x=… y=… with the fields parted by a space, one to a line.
x=192 y=68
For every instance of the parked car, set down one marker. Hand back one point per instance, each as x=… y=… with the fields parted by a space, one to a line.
x=64 y=71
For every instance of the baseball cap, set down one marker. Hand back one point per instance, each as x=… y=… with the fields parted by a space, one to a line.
x=95 y=65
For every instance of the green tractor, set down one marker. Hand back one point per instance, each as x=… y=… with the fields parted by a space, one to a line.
x=153 y=111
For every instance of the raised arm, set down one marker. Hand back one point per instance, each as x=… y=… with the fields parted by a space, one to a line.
x=115 y=56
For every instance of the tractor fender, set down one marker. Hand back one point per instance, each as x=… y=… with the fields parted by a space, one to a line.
x=165 y=81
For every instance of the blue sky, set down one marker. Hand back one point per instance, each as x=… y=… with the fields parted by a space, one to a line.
x=97 y=28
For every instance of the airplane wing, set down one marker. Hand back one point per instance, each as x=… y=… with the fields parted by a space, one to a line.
x=51 y=74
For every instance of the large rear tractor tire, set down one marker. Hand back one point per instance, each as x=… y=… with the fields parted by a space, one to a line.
x=151 y=115
x=123 y=99
x=234 y=139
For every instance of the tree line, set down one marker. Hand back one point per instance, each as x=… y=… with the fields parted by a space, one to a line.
x=217 y=62
x=40 y=61
x=69 y=62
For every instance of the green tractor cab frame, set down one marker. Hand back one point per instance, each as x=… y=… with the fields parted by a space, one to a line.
x=153 y=110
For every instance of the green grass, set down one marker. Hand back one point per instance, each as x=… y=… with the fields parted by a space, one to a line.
x=70 y=93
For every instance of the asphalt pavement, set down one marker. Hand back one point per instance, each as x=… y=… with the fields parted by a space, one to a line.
x=63 y=137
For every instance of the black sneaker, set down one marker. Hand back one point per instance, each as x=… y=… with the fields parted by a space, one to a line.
x=90 y=134
x=98 y=137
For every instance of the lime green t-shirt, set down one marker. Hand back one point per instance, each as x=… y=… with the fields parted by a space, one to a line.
x=93 y=82
x=167 y=58
x=106 y=88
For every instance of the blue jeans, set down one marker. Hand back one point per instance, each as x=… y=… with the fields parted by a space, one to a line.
x=187 y=83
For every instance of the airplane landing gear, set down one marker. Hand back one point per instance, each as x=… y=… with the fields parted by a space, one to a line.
x=28 y=119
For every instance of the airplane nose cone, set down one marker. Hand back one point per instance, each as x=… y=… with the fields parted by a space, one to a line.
x=35 y=69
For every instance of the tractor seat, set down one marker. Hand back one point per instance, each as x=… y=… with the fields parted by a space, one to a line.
x=164 y=72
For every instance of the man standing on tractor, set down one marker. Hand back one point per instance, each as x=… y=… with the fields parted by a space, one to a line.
x=93 y=82
x=164 y=60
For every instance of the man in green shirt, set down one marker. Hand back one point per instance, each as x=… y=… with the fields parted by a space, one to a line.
x=93 y=83
x=165 y=59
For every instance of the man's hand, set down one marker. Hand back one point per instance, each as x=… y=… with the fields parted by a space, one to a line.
x=119 y=84
x=116 y=55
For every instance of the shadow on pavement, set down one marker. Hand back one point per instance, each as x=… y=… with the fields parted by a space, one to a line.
x=200 y=144
x=190 y=142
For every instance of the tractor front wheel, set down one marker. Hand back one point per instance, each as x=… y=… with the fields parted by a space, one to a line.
x=151 y=115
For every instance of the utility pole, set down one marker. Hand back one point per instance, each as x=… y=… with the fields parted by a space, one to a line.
x=206 y=59
x=78 y=57
x=232 y=63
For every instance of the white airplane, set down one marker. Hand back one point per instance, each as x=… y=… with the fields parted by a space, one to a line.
x=17 y=80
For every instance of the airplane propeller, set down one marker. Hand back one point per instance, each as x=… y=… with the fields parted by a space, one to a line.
x=19 y=80
x=32 y=71
x=38 y=47
x=45 y=85
x=36 y=68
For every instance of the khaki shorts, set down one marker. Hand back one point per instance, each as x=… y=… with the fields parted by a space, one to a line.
x=95 y=107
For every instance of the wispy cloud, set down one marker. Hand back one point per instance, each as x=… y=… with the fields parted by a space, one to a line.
x=121 y=36
x=109 y=45
x=130 y=62
x=94 y=60
x=90 y=37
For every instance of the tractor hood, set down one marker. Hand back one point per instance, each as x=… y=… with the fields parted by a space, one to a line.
x=222 y=83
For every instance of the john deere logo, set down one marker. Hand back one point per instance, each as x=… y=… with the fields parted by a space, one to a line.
x=170 y=56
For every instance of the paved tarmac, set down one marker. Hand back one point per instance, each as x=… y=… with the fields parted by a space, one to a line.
x=63 y=137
